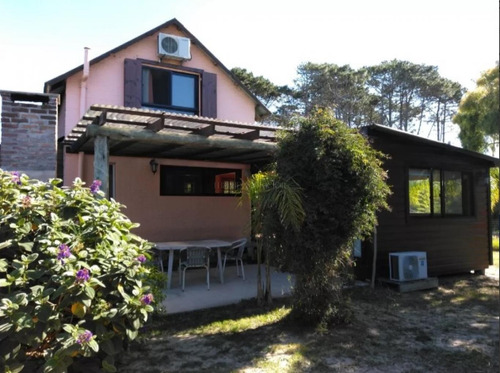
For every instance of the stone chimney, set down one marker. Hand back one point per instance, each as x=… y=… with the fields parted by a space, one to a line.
x=28 y=142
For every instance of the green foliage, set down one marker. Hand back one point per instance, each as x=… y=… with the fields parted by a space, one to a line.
x=410 y=94
x=261 y=87
x=420 y=197
x=275 y=98
x=396 y=93
x=338 y=88
x=73 y=279
x=495 y=186
x=478 y=114
x=276 y=204
x=343 y=186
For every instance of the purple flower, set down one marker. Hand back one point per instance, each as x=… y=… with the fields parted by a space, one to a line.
x=141 y=258
x=147 y=299
x=82 y=275
x=96 y=185
x=16 y=177
x=85 y=337
x=64 y=252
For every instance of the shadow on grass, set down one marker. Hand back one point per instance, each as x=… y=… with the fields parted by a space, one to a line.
x=451 y=328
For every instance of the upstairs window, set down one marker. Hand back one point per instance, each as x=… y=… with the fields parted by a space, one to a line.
x=169 y=87
x=435 y=192
x=170 y=90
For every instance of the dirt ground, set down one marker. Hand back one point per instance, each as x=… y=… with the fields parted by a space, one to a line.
x=454 y=328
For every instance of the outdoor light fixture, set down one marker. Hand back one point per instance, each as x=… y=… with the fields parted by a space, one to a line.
x=154 y=166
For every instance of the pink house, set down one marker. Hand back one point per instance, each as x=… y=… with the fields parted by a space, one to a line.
x=168 y=130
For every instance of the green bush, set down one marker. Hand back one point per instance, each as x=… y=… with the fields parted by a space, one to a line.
x=74 y=282
x=343 y=186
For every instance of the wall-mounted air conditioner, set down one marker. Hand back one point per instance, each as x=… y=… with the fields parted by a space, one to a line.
x=173 y=46
x=407 y=266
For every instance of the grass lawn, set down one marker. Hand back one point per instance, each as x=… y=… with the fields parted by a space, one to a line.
x=454 y=328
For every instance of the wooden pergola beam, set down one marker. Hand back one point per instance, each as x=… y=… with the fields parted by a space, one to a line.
x=100 y=119
x=250 y=135
x=175 y=117
x=131 y=134
x=205 y=131
x=155 y=126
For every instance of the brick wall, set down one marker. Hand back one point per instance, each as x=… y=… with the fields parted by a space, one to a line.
x=29 y=133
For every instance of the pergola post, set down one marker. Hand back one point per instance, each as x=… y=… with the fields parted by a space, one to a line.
x=101 y=162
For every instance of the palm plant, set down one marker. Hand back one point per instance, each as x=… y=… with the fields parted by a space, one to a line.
x=276 y=204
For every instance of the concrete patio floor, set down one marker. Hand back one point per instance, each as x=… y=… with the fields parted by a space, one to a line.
x=196 y=296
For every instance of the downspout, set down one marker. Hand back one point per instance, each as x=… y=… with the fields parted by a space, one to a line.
x=83 y=83
x=83 y=103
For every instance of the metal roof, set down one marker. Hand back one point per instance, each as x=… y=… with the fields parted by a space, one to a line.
x=150 y=133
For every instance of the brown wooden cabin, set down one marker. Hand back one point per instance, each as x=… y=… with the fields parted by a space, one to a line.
x=447 y=215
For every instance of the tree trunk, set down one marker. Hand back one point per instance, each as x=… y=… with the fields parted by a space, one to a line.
x=438 y=128
x=443 y=123
x=267 y=294
x=260 y=293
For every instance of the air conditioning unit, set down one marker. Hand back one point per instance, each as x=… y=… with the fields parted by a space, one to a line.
x=408 y=266
x=173 y=46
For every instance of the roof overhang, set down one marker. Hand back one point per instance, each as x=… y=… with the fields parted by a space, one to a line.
x=374 y=129
x=147 y=133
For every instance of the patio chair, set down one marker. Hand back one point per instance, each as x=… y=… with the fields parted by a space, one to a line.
x=157 y=258
x=235 y=252
x=194 y=257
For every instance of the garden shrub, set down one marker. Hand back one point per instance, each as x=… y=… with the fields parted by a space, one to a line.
x=343 y=186
x=75 y=284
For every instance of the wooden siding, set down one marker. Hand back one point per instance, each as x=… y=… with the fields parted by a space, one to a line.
x=453 y=244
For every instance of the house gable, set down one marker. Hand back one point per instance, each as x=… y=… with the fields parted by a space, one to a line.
x=107 y=85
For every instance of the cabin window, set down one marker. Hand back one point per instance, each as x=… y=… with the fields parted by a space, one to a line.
x=199 y=181
x=436 y=192
x=170 y=90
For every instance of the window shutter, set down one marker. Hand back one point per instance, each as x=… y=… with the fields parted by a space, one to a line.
x=209 y=95
x=132 y=86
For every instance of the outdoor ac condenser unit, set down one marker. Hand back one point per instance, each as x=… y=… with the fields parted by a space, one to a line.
x=407 y=266
x=174 y=46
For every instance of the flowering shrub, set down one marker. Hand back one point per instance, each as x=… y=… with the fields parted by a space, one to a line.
x=74 y=282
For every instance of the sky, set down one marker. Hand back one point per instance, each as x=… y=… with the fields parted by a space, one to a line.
x=40 y=40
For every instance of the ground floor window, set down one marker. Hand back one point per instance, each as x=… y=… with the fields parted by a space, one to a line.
x=439 y=192
x=199 y=181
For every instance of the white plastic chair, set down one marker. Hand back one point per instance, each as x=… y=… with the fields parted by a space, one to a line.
x=235 y=252
x=195 y=257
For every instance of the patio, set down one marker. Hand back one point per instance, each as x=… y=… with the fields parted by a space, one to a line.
x=196 y=296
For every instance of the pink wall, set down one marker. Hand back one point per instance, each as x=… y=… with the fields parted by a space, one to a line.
x=162 y=218
x=106 y=81
x=167 y=218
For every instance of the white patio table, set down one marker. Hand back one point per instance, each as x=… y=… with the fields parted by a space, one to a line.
x=181 y=245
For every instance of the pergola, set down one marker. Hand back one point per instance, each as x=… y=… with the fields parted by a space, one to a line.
x=114 y=130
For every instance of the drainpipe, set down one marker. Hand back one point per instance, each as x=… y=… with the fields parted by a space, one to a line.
x=83 y=84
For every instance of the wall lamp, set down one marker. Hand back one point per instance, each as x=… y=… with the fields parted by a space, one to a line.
x=154 y=166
